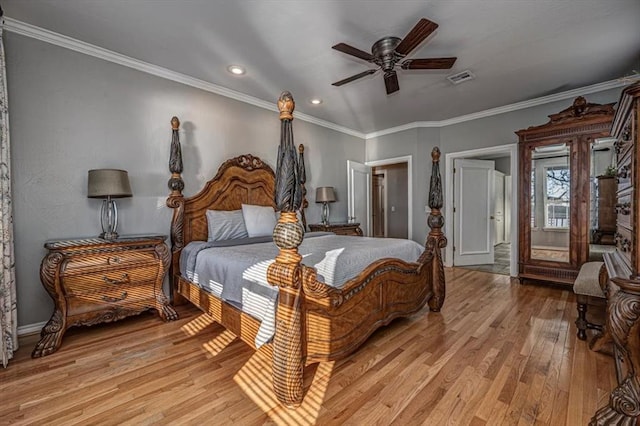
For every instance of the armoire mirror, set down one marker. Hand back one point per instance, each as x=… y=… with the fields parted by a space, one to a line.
x=602 y=207
x=550 y=203
x=555 y=223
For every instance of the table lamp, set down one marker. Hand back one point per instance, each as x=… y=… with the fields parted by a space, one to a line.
x=325 y=195
x=108 y=184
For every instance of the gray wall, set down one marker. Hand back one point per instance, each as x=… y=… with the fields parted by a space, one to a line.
x=503 y=165
x=70 y=113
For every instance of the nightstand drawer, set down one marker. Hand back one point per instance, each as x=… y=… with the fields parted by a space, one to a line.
x=135 y=297
x=345 y=231
x=108 y=279
x=337 y=228
x=112 y=259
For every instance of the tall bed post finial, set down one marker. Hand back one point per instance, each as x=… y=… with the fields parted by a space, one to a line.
x=176 y=202
x=176 y=184
x=303 y=180
x=436 y=240
x=286 y=271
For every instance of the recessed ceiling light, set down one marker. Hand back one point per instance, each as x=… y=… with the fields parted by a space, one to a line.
x=316 y=101
x=236 y=69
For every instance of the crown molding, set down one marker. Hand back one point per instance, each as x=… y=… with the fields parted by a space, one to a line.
x=408 y=126
x=594 y=88
x=38 y=33
x=586 y=90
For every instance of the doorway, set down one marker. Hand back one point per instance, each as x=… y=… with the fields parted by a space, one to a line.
x=379 y=201
x=503 y=210
x=398 y=178
x=390 y=200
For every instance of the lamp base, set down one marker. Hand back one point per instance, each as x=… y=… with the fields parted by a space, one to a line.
x=109 y=235
x=109 y=219
x=325 y=213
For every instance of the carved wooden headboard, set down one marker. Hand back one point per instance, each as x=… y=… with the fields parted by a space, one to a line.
x=241 y=180
x=245 y=179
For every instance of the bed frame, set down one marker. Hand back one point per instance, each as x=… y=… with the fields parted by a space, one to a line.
x=314 y=322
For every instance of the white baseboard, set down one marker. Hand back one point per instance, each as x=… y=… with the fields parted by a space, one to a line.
x=31 y=328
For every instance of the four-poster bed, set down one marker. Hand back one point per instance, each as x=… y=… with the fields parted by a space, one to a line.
x=314 y=321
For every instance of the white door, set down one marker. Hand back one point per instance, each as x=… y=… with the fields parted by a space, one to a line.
x=473 y=202
x=359 y=194
x=498 y=207
x=507 y=209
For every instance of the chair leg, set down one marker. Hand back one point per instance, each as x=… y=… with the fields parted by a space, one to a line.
x=581 y=321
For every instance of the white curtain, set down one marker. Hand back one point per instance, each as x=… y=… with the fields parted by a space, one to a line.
x=8 y=308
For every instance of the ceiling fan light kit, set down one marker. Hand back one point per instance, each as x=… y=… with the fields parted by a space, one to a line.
x=389 y=52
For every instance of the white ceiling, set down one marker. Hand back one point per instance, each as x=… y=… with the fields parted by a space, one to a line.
x=518 y=49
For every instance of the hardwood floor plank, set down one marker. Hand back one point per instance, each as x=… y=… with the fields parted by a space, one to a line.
x=498 y=353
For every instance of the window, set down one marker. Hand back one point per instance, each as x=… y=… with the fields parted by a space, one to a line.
x=557 y=192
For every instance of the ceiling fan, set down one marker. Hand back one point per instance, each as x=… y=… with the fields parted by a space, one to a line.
x=389 y=51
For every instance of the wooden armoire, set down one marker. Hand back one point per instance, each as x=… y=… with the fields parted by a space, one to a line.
x=622 y=281
x=554 y=192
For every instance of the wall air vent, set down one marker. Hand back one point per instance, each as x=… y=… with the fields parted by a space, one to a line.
x=461 y=77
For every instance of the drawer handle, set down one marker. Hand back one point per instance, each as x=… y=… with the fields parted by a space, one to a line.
x=623 y=208
x=622 y=242
x=623 y=173
x=124 y=279
x=115 y=299
x=618 y=146
x=113 y=260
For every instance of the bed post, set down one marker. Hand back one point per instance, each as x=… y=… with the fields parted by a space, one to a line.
x=436 y=240
x=176 y=202
x=302 y=173
x=286 y=272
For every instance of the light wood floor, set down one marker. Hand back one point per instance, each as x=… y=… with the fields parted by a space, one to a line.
x=498 y=353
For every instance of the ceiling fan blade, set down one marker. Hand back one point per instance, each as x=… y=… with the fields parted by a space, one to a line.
x=353 y=77
x=350 y=50
x=422 y=30
x=428 y=64
x=391 y=82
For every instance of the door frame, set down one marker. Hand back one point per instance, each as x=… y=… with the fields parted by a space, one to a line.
x=386 y=215
x=495 y=173
x=512 y=150
x=405 y=159
x=353 y=166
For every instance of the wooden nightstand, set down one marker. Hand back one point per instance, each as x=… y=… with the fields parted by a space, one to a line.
x=338 y=228
x=94 y=280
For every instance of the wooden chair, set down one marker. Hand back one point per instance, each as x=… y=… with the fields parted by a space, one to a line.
x=588 y=291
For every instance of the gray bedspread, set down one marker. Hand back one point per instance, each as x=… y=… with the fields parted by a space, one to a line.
x=237 y=271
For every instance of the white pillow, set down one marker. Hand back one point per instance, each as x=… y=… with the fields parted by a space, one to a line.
x=259 y=220
x=226 y=225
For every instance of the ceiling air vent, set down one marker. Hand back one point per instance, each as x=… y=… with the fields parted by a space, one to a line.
x=461 y=77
